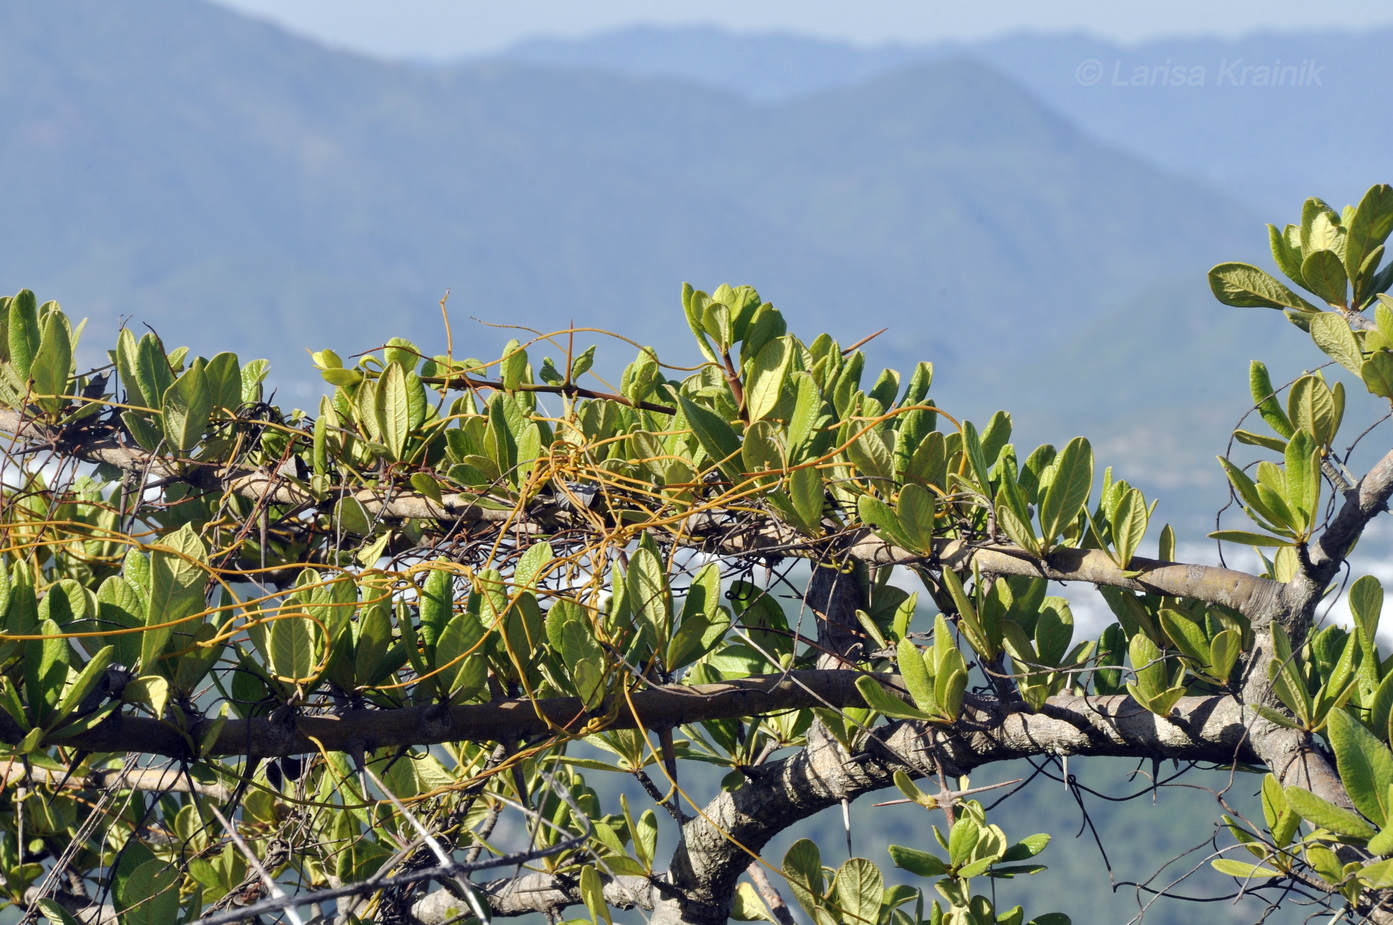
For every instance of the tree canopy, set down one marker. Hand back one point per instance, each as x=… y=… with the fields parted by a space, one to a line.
x=397 y=660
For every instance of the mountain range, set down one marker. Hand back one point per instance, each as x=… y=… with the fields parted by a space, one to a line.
x=235 y=187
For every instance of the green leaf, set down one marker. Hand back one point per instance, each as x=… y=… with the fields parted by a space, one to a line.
x=147 y=894
x=716 y=437
x=513 y=367
x=1314 y=407
x=806 y=490
x=915 y=674
x=802 y=868
x=915 y=511
x=1245 y=286
x=177 y=577
x=648 y=593
x=295 y=648
x=1365 y=604
x=1365 y=764
x=1286 y=253
x=1377 y=373
x=85 y=681
x=1332 y=335
x=436 y=605
x=1324 y=273
x=857 y=891
x=872 y=457
x=52 y=362
x=1327 y=815
x=765 y=378
x=1129 y=523
x=393 y=410
x=1370 y=226
x=592 y=893
x=919 y=863
x=224 y=374
x=1243 y=870
x=1068 y=491
x=1248 y=539
x=459 y=643
x=1224 y=650
x=1264 y=397
x=22 y=326
x=1303 y=481
x=883 y=519
x=185 y=408
x=882 y=701
x=581 y=364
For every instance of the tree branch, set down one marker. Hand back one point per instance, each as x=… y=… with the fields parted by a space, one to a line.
x=717 y=845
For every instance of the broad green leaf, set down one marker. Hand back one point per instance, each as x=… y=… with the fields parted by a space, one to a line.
x=147 y=894
x=295 y=647
x=882 y=701
x=882 y=517
x=1324 y=273
x=393 y=410
x=1129 y=523
x=1186 y=636
x=1245 y=286
x=1365 y=604
x=806 y=490
x=513 y=367
x=152 y=371
x=52 y=362
x=185 y=408
x=1243 y=870
x=1224 y=650
x=917 y=862
x=85 y=681
x=1264 y=397
x=1068 y=492
x=857 y=892
x=763 y=452
x=224 y=374
x=1314 y=408
x=648 y=593
x=458 y=647
x=437 y=604
x=872 y=457
x=807 y=407
x=802 y=867
x=1365 y=764
x=915 y=511
x=1326 y=815
x=765 y=378
x=1303 y=480
x=177 y=578
x=1248 y=538
x=716 y=437
x=1370 y=226
x=1377 y=373
x=915 y=674
x=22 y=326
x=1332 y=334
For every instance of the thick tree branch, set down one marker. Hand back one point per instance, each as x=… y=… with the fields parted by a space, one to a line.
x=716 y=846
x=508 y=720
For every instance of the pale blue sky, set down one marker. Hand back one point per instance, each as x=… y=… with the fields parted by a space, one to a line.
x=444 y=29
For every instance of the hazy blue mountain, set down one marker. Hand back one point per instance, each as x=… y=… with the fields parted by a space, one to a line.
x=171 y=162
x=1308 y=125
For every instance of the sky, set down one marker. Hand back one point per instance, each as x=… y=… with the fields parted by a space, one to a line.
x=451 y=29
